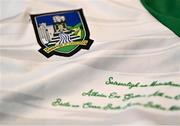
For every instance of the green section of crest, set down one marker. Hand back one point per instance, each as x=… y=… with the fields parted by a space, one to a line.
x=66 y=49
x=78 y=30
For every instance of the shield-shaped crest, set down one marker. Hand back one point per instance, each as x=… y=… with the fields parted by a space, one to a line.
x=61 y=33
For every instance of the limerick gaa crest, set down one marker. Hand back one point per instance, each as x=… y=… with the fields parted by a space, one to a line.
x=61 y=33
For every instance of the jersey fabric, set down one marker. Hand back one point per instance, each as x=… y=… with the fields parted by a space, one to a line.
x=129 y=76
x=166 y=12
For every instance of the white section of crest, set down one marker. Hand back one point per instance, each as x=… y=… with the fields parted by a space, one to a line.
x=129 y=44
x=64 y=38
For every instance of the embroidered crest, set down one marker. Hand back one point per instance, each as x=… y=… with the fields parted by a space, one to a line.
x=61 y=33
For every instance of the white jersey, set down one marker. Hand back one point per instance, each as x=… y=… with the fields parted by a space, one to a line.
x=129 y=76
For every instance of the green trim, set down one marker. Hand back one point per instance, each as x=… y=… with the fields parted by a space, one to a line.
x=165 y=11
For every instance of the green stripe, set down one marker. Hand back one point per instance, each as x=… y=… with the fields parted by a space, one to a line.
x=166 y=11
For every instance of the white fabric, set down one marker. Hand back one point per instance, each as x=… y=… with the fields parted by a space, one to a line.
x=129 y=45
